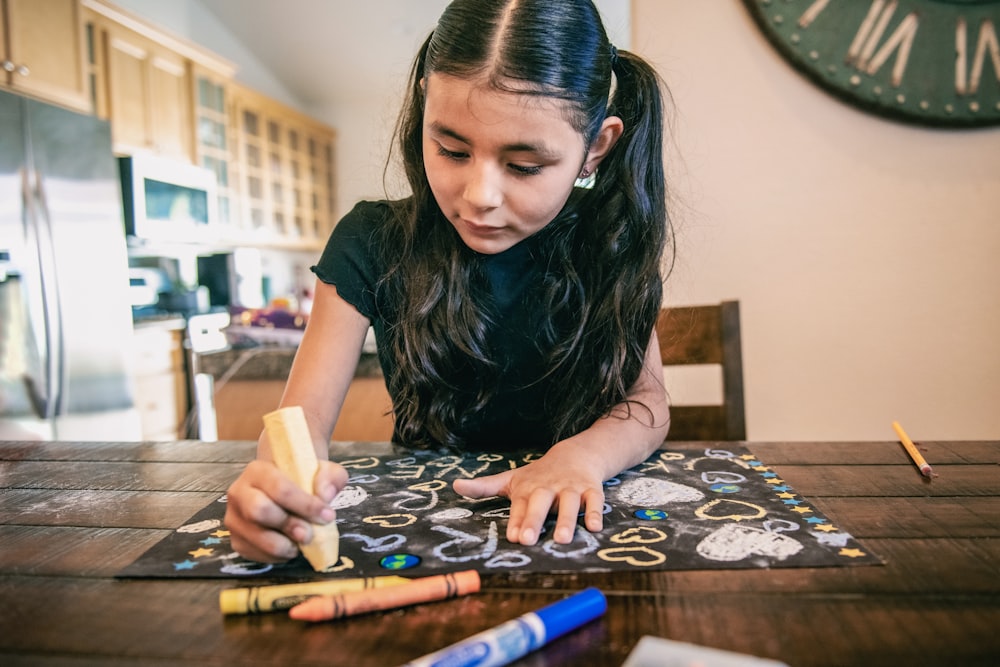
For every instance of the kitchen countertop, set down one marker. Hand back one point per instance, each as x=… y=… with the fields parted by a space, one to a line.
x=267 y=363
x=169 y=322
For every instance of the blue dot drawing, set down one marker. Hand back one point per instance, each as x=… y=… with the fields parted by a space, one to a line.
x=399 y=561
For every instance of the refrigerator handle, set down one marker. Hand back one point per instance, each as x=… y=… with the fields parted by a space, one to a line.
x=36 y=385
x=52 y=300
x=43 y=389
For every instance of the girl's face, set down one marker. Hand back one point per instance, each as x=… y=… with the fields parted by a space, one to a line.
x=501 y=165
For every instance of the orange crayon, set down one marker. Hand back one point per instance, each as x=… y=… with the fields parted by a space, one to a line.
x=426 y=589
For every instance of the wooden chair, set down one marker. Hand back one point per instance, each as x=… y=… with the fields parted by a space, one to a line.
x=706 y=335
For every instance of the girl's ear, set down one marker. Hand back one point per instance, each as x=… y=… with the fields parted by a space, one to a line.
x=609 y=134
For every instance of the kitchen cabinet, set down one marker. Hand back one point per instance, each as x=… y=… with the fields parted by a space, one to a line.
x=42 y=51
x=240 y=406
x=161 y=388
x=212 y=141
x=145 y=83
x=274 y=165
x=249 y=382
x=283 y=171
x=148 y=93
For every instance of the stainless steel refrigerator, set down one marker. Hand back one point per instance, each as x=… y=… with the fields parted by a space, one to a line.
x=65 y=318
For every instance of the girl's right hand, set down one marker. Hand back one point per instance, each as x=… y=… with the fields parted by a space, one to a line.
x=268 y=515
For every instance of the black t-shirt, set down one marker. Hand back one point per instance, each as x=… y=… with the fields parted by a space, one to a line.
x=516 y=417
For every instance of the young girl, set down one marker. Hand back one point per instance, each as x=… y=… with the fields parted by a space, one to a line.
x=512 y=309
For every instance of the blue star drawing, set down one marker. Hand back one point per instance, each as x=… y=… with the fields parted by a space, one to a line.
x=210 y=540
x=769 y=474
x=815 y=519
x=755 y=463
x=793 y=501
x=186 y=565
x=783 y=487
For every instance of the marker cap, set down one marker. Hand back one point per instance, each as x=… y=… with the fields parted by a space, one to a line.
x=566 y=615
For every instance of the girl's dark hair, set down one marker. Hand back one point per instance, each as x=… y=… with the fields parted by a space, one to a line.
x=602 y=289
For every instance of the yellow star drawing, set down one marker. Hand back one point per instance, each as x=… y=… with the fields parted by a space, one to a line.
x=786 y=494
x=827 y=528
x=761 y=468
x=748 y=457
x=775 y=481
x=198 y=553
x=220 y=533
x=852 y=553
x=801 y=510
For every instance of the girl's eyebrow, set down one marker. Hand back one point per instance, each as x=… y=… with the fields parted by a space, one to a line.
x=540 y=150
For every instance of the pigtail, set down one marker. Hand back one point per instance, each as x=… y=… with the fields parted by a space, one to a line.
x=610 y=290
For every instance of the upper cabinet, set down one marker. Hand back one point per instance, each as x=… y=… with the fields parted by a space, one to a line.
x=42 y=47
x=212 y=141
x=283 y=171
x=148 y=93
x=144 y=83
x=163 y=94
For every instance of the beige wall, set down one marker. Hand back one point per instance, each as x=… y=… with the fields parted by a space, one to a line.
x=866 y=253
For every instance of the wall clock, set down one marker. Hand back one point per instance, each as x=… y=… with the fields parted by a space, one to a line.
x=930 y=62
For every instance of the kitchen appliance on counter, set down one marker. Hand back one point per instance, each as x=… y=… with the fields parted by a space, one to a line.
x=65 y=321
x=233 y=278
x=167 y=200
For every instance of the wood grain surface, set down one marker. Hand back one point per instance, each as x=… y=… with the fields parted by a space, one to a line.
x=74 y=514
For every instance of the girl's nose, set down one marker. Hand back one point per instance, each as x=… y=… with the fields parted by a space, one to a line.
x=483 y=189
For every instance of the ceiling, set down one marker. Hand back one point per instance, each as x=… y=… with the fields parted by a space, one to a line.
x=324 y=50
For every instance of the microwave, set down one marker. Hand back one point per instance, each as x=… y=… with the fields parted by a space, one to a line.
x=168 y=200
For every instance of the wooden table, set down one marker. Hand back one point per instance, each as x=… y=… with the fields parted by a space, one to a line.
x=73 y=514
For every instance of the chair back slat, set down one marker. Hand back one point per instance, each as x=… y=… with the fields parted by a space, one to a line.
x=706 y=335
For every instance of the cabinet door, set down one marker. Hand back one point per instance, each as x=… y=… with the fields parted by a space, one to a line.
x=282 y=167
x=149 y=95
x=170 y=103
x=45 y=51
x=253 y=212
x=126 y=90
x=321 y=179
x=211 y=106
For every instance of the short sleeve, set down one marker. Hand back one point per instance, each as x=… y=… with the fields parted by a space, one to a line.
x=349 y=261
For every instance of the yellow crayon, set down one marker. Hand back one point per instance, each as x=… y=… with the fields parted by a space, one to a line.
x=259 y=599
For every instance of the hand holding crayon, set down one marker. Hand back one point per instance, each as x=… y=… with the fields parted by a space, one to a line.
x=293 y=453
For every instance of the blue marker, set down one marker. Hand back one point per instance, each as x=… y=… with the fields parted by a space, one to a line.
x=511 y=640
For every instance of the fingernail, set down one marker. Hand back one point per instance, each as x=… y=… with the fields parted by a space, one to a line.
x=527 y=537
x=327 y=515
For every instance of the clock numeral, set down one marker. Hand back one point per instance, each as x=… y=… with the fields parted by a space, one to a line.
x=867 y=56
x=809 y=15
x=967 y=81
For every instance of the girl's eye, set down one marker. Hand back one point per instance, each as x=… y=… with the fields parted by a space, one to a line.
x=518 y=169
x=451 y=155
x=522 y=170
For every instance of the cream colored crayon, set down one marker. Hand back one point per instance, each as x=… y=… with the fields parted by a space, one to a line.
x=260 y=599
x=417 y=591
x=293 y=454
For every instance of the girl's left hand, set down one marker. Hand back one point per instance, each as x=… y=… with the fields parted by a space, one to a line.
x=558 y=481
